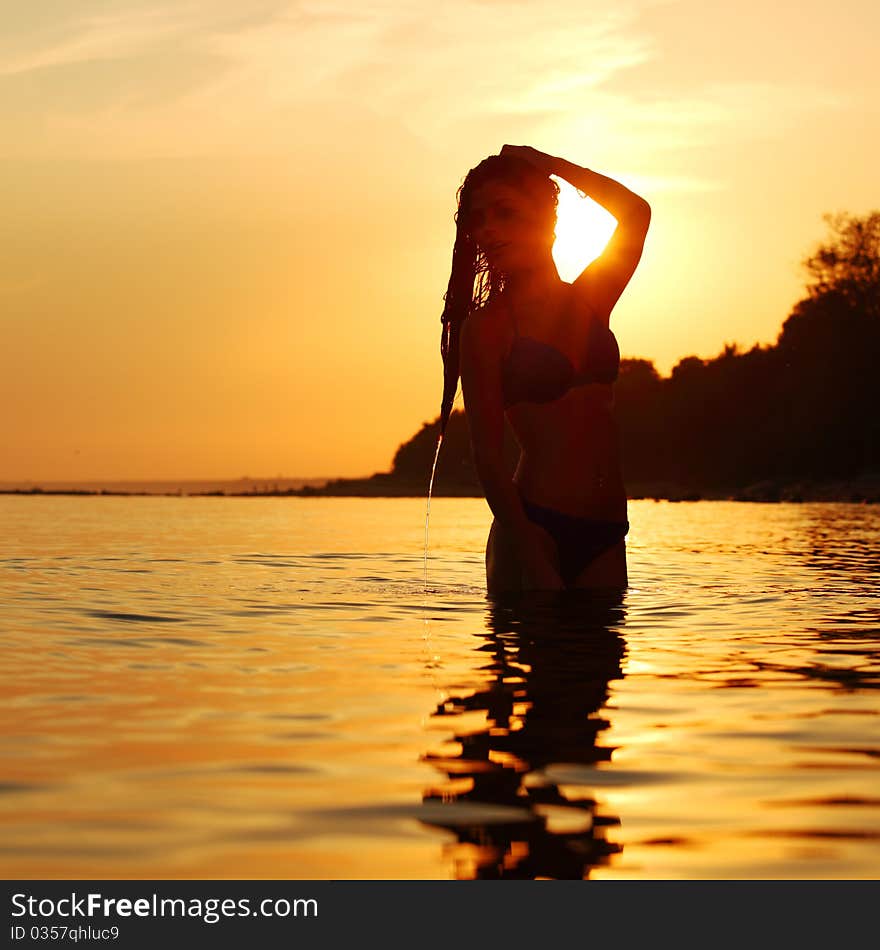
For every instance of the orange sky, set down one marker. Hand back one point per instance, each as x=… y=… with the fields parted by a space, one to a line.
x=227 y=225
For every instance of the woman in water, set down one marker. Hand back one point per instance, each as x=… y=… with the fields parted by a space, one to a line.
x=537 y=350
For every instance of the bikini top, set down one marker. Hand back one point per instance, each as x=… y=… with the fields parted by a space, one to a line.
x=534 y=371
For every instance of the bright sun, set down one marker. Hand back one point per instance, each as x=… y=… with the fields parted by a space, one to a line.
x=583 y=228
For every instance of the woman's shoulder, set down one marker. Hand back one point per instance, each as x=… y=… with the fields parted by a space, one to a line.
x=488 y=321
x=485 y=331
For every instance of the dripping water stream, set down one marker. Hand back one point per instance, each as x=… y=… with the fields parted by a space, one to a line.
x=428 y=508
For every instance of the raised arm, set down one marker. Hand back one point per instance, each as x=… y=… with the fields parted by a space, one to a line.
x=480 y=364
x=600 y=285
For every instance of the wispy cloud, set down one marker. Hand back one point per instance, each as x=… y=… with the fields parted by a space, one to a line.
x=197 y=77
x=475 y=60
x=115 y=35
x=431 y=69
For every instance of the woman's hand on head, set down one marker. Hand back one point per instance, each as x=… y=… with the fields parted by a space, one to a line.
x=540 y=160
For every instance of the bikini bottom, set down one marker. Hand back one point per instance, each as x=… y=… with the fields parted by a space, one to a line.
x=579 y=540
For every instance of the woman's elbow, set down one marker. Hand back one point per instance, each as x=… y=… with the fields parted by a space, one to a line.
x=641 y=213
x=489 y=466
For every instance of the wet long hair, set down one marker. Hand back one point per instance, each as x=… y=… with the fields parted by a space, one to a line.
x=473 y=281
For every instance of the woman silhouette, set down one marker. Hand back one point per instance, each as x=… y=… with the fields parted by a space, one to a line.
x=538 y=351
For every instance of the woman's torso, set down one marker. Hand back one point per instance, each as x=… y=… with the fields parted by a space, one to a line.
x=569 y=457
x=569 y=445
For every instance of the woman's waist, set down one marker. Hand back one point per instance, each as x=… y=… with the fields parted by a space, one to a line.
x=589 y=487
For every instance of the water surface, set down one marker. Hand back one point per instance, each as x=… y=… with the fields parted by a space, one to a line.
x=262 y=687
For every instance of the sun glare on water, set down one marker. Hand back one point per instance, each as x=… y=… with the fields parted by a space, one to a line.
x=583 y=228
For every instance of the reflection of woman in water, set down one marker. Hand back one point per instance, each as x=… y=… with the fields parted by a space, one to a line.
x=538 y=351
x=548 y=670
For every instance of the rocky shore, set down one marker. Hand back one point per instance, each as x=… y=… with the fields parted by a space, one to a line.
x=864 y=489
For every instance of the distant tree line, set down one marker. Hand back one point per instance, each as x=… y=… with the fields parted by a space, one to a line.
x=806 y=408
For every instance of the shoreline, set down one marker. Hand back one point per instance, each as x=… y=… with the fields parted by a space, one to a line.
x=862 y=490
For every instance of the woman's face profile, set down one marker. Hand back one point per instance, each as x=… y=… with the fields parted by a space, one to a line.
x=507 y=226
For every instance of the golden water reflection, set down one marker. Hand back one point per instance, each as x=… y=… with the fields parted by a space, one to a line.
x=210 y=688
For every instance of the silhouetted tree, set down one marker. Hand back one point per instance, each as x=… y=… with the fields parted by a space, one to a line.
x=638 y=394
x=848 y=264
x=414 y=458
x=455 y=466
